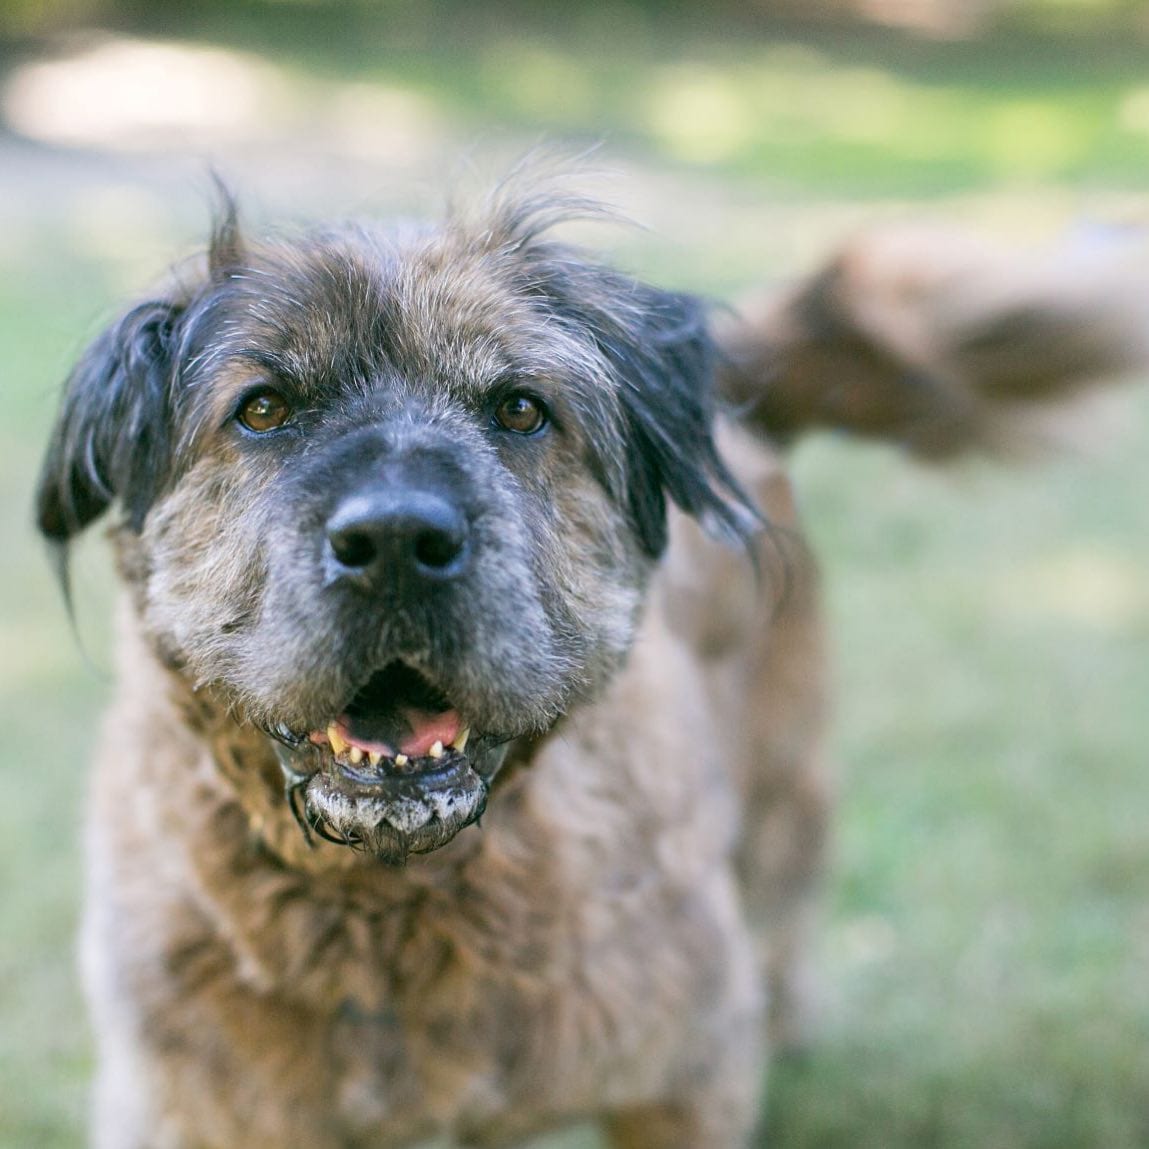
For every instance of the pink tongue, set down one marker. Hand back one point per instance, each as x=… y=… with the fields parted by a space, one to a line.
x=425 y=730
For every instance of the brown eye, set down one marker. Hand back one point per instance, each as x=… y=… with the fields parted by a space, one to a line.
x=521 y=414
x=264 y=411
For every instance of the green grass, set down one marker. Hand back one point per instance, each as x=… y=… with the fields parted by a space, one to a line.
x=985 y=945
x=852 y=112
x=984 y=949
x=48 y=704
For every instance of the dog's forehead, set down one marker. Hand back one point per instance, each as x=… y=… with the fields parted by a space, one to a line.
x=432 y=306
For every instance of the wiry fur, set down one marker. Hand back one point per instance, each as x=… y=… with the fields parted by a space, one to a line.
x=588 y=952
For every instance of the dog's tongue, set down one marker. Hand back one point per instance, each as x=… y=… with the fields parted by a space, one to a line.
x=408 y=731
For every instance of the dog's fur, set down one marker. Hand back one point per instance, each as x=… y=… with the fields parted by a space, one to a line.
x=646 y=700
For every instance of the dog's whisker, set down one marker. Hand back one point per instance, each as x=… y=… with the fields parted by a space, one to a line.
x=331 y=834
x=297 y=803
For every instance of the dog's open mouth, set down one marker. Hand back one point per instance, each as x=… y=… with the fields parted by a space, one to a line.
x=398 y=772
x=397 y=718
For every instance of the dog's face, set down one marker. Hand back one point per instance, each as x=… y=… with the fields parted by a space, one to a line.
x=393 y=497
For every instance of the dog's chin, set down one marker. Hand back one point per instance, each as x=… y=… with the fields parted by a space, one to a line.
x=386 y=809
x=398 y=770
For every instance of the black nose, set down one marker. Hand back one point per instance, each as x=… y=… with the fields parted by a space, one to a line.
x=392 y=534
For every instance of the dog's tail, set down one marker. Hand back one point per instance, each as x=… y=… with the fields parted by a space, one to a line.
x=937 y=341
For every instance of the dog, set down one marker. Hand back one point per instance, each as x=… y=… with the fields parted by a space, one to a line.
x=464 y=777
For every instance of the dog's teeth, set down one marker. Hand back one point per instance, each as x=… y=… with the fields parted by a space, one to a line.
x=374 y=757
x=356 y=755
x=400 y=759
x=460 y=743
x=436 y=750
x=337 y=743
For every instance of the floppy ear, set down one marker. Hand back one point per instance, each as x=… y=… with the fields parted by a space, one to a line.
x=112 y=436
x=661 y=356
x=664 y=360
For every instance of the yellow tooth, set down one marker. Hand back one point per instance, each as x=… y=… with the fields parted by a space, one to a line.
x=356 y=755
x=374 y=757
x=400 y=759
x=436 y=750
x=460 y=743
x=337 y=743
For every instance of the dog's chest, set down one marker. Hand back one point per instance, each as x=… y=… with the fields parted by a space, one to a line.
x=541 y=1002
x=457 y=1066
x=478 y=1041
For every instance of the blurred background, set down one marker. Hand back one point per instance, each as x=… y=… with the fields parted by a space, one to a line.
x=985 y=950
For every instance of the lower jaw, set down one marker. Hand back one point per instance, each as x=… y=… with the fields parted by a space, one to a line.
x=393 y=826
x=392 y=817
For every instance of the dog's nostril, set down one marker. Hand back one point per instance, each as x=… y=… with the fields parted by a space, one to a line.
x=438 y=548
x=395 y=532
x=353 y=548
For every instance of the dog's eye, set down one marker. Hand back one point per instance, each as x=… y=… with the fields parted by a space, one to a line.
x=522 y=414
x=264 y=411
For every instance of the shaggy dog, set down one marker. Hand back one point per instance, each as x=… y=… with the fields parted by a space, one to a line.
x=427 y=526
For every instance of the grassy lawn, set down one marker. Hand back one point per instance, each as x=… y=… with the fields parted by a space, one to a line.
x=986 y=939
x=806 y=110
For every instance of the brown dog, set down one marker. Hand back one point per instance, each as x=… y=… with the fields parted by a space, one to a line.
x=415 y=525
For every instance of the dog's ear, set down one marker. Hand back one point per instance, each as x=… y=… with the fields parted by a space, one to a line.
x=112 y=439
x=664 y=361
x=112 y=436
x=659 y=351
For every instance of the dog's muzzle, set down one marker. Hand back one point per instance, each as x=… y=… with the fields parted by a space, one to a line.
x=399 y=767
